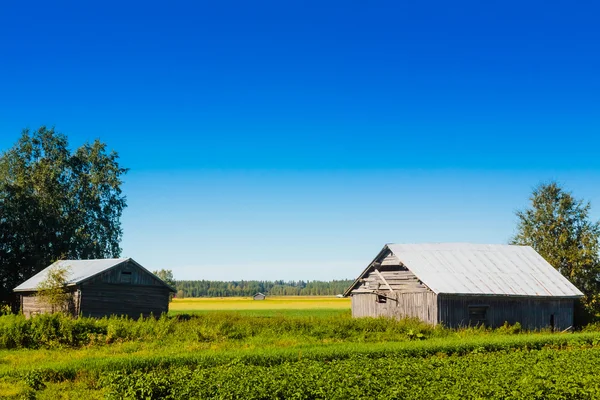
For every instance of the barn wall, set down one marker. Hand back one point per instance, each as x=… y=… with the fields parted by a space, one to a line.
x=531 y=313
x=124 y=290
x=100 y=299
x=33 y=305
x=126 y=273
x=422 y=305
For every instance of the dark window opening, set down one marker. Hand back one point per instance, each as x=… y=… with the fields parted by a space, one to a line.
x=381 y=299
x=126 y=277
x=552 y=322
x=478 y=315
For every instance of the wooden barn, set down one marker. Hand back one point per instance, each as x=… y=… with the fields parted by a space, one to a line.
x=259 y=296
x=99 y=288
x=465 y=284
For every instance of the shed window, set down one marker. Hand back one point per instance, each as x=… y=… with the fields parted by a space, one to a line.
x=125 y=277
x=478 y=315
x=381 y=299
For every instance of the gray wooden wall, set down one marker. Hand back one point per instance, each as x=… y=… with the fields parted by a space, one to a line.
x=422 y=305
x=100 y=299
x=124 y=290
x=408 y=297
x=32 y=305
x=531 y=313
x=126 y=273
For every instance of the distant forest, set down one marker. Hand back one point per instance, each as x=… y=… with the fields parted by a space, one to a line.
x=249 y=288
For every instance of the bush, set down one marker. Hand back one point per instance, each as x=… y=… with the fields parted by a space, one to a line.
x=58 y=330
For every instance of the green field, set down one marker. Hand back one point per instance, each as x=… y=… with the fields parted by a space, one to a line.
x=312 y=349
x=271 y=306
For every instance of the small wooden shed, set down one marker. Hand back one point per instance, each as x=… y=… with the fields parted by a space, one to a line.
x=100 y=288
x=259 y=296
x=460 y=284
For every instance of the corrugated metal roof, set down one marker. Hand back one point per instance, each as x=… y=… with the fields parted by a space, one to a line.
x=79 y=270
x=479 y=269
x=483 y=269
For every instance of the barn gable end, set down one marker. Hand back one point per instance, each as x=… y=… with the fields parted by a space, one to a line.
x=388 y=288
x=126 y=273
x=387 y=273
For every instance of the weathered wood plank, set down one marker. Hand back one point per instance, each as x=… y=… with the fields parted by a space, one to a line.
x=135 y=300
x=530 y=312
x=384 y=281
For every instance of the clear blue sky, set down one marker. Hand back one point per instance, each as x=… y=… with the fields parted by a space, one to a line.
x=292 y=139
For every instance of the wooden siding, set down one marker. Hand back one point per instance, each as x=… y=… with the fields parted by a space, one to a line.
x=421 y=305
x=531 y=313
x=98 y=300
x=399 y=278
x=390 y=259
x=126 y=273
x=32 y=305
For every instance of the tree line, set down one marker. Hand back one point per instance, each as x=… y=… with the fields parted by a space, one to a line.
x=206 y=288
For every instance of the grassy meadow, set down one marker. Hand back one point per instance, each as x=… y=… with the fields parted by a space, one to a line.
x=312 y=349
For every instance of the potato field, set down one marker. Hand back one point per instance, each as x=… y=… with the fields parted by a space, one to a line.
x=297 y=352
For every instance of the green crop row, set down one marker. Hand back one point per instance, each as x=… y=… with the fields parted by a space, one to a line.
x=94 y=368
x=175 y=357
x=541 y=374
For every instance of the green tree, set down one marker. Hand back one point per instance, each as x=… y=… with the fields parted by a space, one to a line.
x=53 y=289
x=166 y=275
x=55 y=202
x=558 y=226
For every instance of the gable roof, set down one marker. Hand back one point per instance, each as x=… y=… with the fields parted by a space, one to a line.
x=80 y=271
x=479 y=269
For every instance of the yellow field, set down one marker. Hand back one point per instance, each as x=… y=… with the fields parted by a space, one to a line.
x=270 y=303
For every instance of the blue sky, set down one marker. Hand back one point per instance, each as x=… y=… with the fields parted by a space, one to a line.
x=291 y=140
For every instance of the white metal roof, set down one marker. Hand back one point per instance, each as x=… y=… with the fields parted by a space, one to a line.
x=483 y=269
x=79 y=270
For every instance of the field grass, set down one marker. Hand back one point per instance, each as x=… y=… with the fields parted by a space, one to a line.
x=286 y=305
x=286 y=347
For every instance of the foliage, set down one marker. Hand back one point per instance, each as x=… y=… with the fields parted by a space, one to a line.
x=450 y=365
x=232 y=329
x=53 y=291
x=56 y=330
x=558 y=226
x=229 y=355
x=54 y=202
x=166 y=275
x=542 y=374
x=205 y=288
